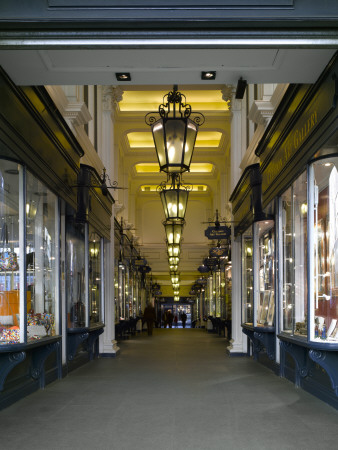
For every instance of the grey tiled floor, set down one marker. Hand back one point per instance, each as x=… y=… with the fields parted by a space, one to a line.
x=174 y=390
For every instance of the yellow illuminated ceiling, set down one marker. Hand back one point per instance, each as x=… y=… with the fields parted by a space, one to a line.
x=144 y=139
x=154 y=168
x=146 y=101
x=194 y=188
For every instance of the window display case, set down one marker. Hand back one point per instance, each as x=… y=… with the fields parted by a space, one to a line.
x=29 y=214
x=294 y=213
x=247 y=277
x=76 y=287
x=265 y=260
x=95 y=277
x=323 y=185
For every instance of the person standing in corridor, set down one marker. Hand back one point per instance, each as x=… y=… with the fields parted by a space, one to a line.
x=170 y=318
x=183 y=318
x=149 y=316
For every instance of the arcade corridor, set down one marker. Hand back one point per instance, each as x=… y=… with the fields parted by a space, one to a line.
x=174 y=390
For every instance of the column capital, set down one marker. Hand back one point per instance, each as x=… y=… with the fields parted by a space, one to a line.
x=228 y=93
x=111 y=95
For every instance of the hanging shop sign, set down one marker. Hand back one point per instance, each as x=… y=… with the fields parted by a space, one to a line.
x=218 y=252
x=221 y=232
x=139 y=262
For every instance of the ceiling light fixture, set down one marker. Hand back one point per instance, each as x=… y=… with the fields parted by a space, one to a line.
x=174 y=199
x=174 y=132
x=209 y=75
x=123 y=76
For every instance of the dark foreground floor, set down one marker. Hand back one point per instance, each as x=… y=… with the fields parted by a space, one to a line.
x=174 y=390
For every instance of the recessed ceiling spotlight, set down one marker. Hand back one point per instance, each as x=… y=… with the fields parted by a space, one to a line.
x=123 y=76
x=210 y=75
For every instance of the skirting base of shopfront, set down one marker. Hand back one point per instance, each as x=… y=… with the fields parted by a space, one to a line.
x=27 y=369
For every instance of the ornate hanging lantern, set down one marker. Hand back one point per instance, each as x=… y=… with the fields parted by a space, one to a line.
x=173 y=260
x=174 y=199
x=174 y=127
x=173 y=230
x=174 y=250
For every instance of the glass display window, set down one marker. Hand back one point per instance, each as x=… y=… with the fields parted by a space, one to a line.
x=42 y=254
x=247 y=277
x=12 y=307
x=121 y=299
x=95 y=277
x=76 y=290
x=323 y=177
x=29 y=292
x=217 y=292
x=264 y=247
x=294 y=216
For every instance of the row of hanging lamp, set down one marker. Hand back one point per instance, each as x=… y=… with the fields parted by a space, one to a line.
x=174 y=128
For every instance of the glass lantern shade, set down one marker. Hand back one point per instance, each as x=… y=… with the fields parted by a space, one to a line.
x=176 y=285
x=174 y=140
x=174 y=203
x=173 y=231
x=173 y=268
x=176 y=298
x=174 y=260
x=174 y=250
x=175 y=279
x=176 y=292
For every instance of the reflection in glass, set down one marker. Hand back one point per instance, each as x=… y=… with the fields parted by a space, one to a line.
x=247 y=279
x=41 y=259
x=266 y=273
x=325 y=190
x=95 y=276
x=10 y=172
x=294 y=234
x=75 y=271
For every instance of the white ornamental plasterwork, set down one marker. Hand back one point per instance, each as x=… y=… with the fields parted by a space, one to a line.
x=228 y=92
x=261 y=112
x=111 y=96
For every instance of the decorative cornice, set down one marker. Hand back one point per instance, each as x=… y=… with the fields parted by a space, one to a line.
x=111 y=96
x=228 y=92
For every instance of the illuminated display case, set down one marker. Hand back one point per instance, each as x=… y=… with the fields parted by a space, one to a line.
x=95 y=277
x=323 y=184
x=265 y=273
x=247 y=277
x=29 y=224
x=294 y=217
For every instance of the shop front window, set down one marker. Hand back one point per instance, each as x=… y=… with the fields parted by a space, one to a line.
x=265 y=235
x=95 y=277
x=42 y=250
x=75 y=272
x=294 y=235
x=247 y=277
x=11 y=306
x=29 y=222
x=324 y=178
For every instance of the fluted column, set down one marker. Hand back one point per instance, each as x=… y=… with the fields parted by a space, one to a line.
x=110 y=97
x=238 y=141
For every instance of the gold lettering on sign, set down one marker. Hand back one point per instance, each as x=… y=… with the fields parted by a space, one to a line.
x=290 y=146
